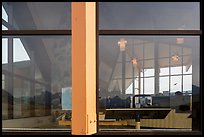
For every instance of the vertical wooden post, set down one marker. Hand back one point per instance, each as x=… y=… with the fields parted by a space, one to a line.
x=83 y=68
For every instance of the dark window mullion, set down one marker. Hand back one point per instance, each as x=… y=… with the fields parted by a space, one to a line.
x=35 y=32
x=150 y=32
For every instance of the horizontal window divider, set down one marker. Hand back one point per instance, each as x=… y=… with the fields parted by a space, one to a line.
x=104 y=32
x=150 y=32
x=35 y=32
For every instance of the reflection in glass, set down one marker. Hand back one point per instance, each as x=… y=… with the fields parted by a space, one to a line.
x=187 y=64
x=164 y=66
x=149 y=85
x=187 y=83
x=40 y=99
x=148 y=49
x=164 y=85
x=187 y=69
x=163 y=50
x=176 y=83
x=21 y=98
x=41 y=70
x=4 y=14
x=157 y=80
x=21 y=60
x=39 y=15
x=5 y=96
x=149 y=68
x=4 y=28
x=149 y=15
x=20 y=53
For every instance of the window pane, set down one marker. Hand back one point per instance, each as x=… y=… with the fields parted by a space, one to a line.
x=176 y=82
x=149 y=85
x=40 y=15
x=176 y=70
x=163 y=79
x=176 y=60
x=149 y=15
x=164 y=85
x=38 y=85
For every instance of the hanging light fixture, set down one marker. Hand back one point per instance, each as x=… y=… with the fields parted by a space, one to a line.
x=175 y=58
x=134 y=62
x=122 y=43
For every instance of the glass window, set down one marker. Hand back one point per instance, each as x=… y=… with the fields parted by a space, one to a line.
x=39 y=15
x=38 y=85
x=158 y=81
x=176 y=70
x=149 y=15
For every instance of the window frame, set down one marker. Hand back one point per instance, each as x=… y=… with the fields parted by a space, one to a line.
x=108 y=32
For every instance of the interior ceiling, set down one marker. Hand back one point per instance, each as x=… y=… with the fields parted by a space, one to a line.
x=46 y=16
x=110 y=57
x=54 y=16
x=49 y=15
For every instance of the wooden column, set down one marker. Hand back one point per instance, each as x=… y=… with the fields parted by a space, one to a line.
x=84 y=68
